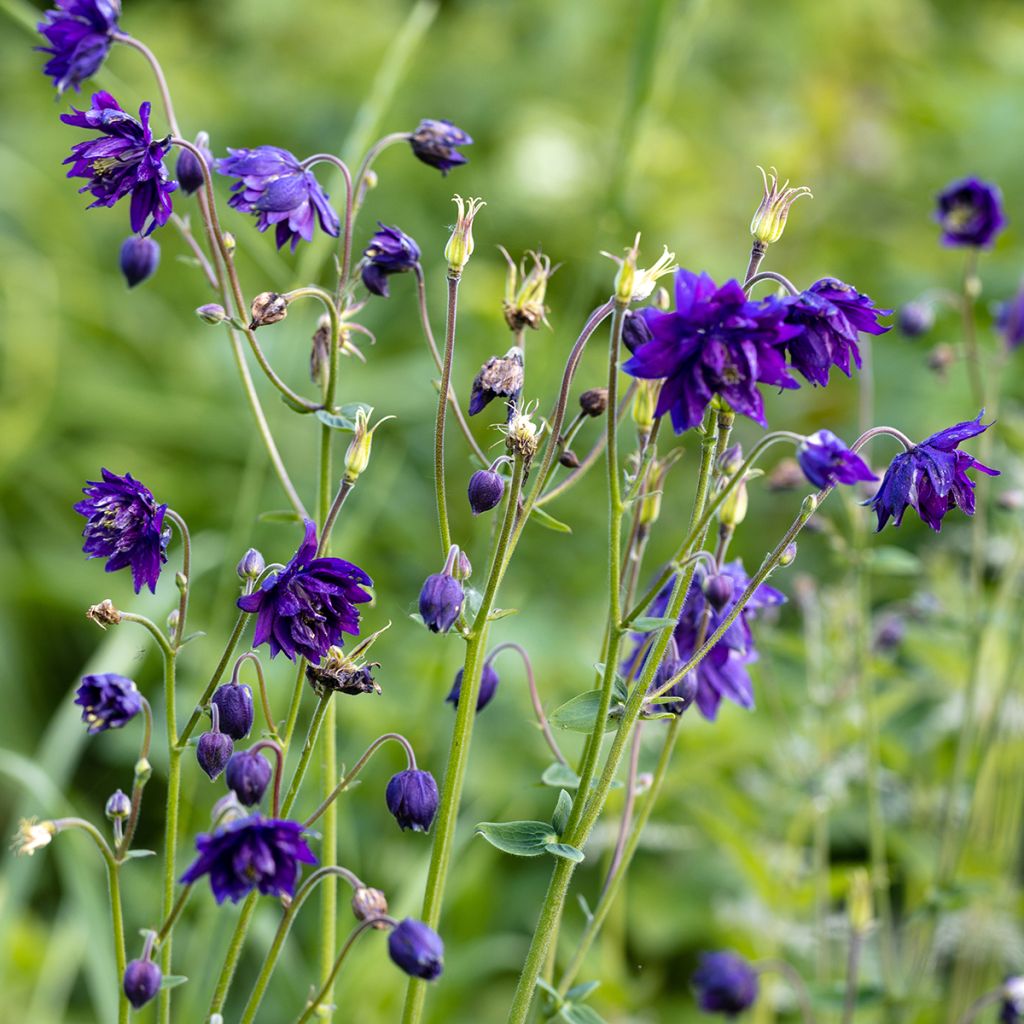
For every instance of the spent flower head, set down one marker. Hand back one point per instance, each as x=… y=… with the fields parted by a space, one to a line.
x=523 y=305
x=499 y=377
x=460 y=245
x=436 y=143
x=33 y=835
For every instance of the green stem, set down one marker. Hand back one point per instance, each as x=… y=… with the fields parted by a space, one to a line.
x=117 y=919
x=185 y=582
x=307 y=750
x=227 y=971
x=139 y=784
x=319 y=999
x=852 y=972
x=442 y=410
x=170 y=826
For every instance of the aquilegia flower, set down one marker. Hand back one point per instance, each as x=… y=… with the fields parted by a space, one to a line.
x=826 y=461
x=126 y=526
x=108 y=701
x=79 y=33
x=829 y=314
x=308 y=606
x=140 y=256
x=725 y=983
x=970 y=212
x=488 y=687
x=723 y=672
x=412 y=798
x=417 y=949
x=251 y=853
x=390 y=251
x=717 y=342
x=235 y=709
x=931 y=477
x=435 y=142
x=124 y=160
x=248 y=773
x=273 y=186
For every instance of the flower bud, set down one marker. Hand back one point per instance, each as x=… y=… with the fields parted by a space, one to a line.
x=142 y=980
x=172 y=621
x=118 y=806
x=236 y=710
x=143 y=771
x=213 y=751
x=718 y=589
x=788 y=556
x=104 y=614
x=267 y=308
x=635 y=330
x=188 y=169
x=916 y=318
x=139 y=259
x=733 y=510
x=248 y=773
x=369 y=903
x=770 y=217
x=645 y=401
x=488 y=687
x=416 y=949
x=731 y=460
x=486 y=489
x=251 y=565
x=858 y=901
x=941 y=358
x=650 y=507
x=412 y=798
x=441 y=600
x=725 y=983
x=594 y=402
x=569 y=459
x=230 y=244
x=212 y=313
x=460 y=246
x=463 y=567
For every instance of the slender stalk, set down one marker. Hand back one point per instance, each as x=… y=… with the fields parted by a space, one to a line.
x=227 y=970
x=298 y=688
x=344 y=490
x=982 y=1003
x=442 y=409
x=139 y=784
x=796 y=983
x=371 y=154
x=185 y=581
x=852 y=972
x=117 y=922
x=172 y=917
x=319 y=1000
x=307 y=749
x=190 y=240
x=347 y=220
x=757 y=251
x=268 y=714
x=158 y=73
x=771 y=275
x=627 y=810
x=170 y=826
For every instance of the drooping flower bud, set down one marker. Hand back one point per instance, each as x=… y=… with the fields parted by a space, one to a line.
x=770 y=217
x=267 y=308
x=236 y=710
x=725 y=983
x=731 y=460
x=788 y=556
x=594 y=402
x=569 y=459
x=188 y=170
x=916 y=318
x=635 y=330
x=248 y=773
x=488 y=688
x=139 y=259
x=251 y=565
x=645 y=401
x=441 y=601
x=460 y=246
x=213 y=751
x=412 y=798
x=368 y=903
x=212 y=313
x=463 y=567
x=718 y=589
x=118 y=806
x=416 y=949
x=486 y=489
x=142 y=980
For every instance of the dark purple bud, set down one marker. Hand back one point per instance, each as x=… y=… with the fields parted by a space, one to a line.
x=970 y=212
x=188 y=170
x=234 y=702
x=139 y=259
x=412 y=798
x=486 y=490
x=441 y=601
x=108 y=701
x=718 y=589
x=434 y=143
x=889 y=632
x=488 y=687
x=635 y=331
x=118 y=806
x=916 y=318
x=569 y=459
x=417 y=949
x=730 y=461
x=213 y=751
x=594 y=402
x=725 y=983
x=251 y=565
x=247 y=775
x=141 y=982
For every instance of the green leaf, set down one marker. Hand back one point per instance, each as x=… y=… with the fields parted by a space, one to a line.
x=562 y=810
x=580 y=713
x=582 y=991
x=283 y=515
x=501 y=613
x=893 y=561
x=345 y=417
x=295 y=406
x=550 y=990
x=647 y=624
x=548 y=520
x=520 y=838
x=172 y=980
x=560 y=776
x=472 y=604
x=138 y=854
x=585 y=907
x=577 y=1013
x=565 y=851
x=653 y=715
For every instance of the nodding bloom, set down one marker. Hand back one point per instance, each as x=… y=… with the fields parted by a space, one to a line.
x=125 y=526
x=251 y=853
x=723 y=672
x=188 y=169
x=273 y=186
x=488 y=687
x=79 y=33
x=308 y=606
x=1011 y=320
x=717 y=342
x=140 y=257
x=108 y=701
x=417 y=949
x=970 y=212
x=248 y=773
x=829 y=314
x=434 y=142
x=390 y=251
x=235 y=709
x=931 y=477
x=486 y=489
x=725 y=983
x=141 y=983
x=916 y=318
x=499 y=377
x=826 y=461
x=124 y=160
x=412 y=798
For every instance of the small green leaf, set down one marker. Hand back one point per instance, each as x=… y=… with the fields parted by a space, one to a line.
x=548 y=520
x=653 y=715
x=585 y=907
x=472 y=603
x=893 y=561
x=279 y=516
x=295 y=406
x=565 y=851
x=560 y=776
x=520 y=838
x=580 y=713
x=345 y=417
x=550 y=990
x=562 y=810
x=580 y=992
x=138 y=854
x=172 y=980
x=648 y=624
x=579 y=1013
x=501 y=613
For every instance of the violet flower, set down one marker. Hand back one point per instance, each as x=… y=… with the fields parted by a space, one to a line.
x=80 y=33
x=970 y=212
x=417 y=949
x=141 y=982
x=435 y=141
x=488 y=688
x=412 y=798
x=108 y=701
x=390 y=251
x=826 y=461
x=725 y=983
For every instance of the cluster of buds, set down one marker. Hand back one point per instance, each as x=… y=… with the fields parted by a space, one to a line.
x=524 y=306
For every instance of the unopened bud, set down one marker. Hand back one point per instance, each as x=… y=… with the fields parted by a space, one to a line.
x=172 y=621
x=251 y=565
x=718 y=589
x=733 y=510
x=463 y=567
x=941 y=358
x=770 y=218
x=594 y=402
x=369 y=903
x=229 y=242
x=858 y=901
x=788 y=557
x=104 y=614
x=650 y=508
x=808 y=506
x=645 y=401
x=731 y=460
x=357 y=457
x=212 y=313
x=118 y=806
x=143 y=771
x=569 y=459
x=267 y=308
x=460 y=246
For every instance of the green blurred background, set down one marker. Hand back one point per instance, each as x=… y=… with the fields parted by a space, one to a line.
x=592 y=121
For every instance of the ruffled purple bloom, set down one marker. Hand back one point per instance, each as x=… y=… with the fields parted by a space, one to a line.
x=931 y=477
x=970 y=212
x=124 y=160
x=434 y=142
x=390 y=251
x=717 y=342
x=417 y=949
x=412 y=798
x=108 y=701
x=273 y=186
x=725 y=983
x=826 y=461
x=139 y=259
x=308 y=606
x=251 y=853
x=488 y=688
x=723 y=672
x=830 y=314
x=79 y=33
x=126 y=526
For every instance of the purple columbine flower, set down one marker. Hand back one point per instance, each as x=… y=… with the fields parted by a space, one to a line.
x=931 y=477
x=1011 y=320
x=248 y=773
x=188 y=170
x=485 y=491
x=717 y=342
x=725 y=983
x=412 y=798
x=108 y=701
x=79 y=33
x=273 y=186
x=390 y=251
x=970 y=212
x=441 y=600
x=125 y=526
x=417 y=949
x=213 y=751
x=235 y=709
x=826 y=461
x=829 y=315
x=251 y=853
x=435 y=142
x=124 y=160
x=141 y=982
x=723 y=672
x=488 y=688
x=140 y=257
x=308 y=606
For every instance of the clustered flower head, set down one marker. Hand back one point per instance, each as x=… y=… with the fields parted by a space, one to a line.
x=79 y=33
x=931 y=477
x=390 y=251
x=308 y=606
x=970 y=212
x=251 y=853
x=725 y=983
x=126 y=526
x=826 y=461
x=435 y=142
x=124 y=160
x=273 y=186
x=108 y=701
